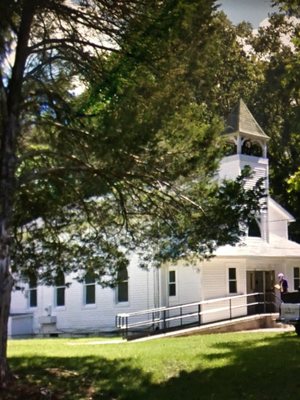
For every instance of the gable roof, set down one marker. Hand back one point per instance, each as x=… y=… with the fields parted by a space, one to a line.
x=240 y=120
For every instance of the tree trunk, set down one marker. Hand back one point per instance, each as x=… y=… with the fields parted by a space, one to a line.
x=7 y=185
x=6 y=283
x=7 y=189
x=10 y=103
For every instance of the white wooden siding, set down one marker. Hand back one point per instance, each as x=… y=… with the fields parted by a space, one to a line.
x=188 y=284
x=278 y=224
x=231 y=167
x=216 y=285
x=75 y=316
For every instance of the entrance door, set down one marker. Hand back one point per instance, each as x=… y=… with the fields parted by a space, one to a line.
x=261 y=282
x=269 y=291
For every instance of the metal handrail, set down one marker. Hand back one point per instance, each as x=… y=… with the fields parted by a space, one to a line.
x=160 y=315
x=150 y=310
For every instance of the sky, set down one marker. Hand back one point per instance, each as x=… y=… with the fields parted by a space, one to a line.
x=253 y=11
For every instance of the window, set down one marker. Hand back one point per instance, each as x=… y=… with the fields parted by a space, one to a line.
x=89 y=289
x=296 y=278
x=60 y=290
x=232 y=280
x=122 y=288
x=32 y=292
x=254 y=229
x=172 y=283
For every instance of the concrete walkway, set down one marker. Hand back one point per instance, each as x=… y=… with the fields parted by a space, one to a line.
x=254 y=323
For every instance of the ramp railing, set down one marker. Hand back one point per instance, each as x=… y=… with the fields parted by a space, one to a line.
x=164 y=319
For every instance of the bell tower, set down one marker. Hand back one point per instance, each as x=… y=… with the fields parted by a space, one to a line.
x=246 y=145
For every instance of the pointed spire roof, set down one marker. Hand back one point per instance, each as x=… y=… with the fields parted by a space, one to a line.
x=240 y=120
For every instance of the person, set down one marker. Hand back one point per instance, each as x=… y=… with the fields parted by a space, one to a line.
x=283 y=285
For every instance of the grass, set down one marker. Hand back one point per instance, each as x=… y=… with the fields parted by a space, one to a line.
x=239 y=366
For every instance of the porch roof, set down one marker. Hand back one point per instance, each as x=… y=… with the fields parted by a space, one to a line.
x=257 y=247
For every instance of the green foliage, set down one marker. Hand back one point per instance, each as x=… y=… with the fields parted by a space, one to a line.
x=294 y=182
x=290 y=6
x=217 y=69
x=129 y=163
x=276 y=103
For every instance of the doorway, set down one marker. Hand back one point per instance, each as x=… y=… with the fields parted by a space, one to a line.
x=261 y=282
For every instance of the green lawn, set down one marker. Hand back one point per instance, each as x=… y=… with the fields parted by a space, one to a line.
x=264 y=366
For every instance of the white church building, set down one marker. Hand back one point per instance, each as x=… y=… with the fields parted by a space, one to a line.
x=236 y=271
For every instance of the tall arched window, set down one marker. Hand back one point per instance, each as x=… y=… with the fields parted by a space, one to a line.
x=89 y=289
x=254 y=229
x=60 y=287
x=32 y=292
x=122 y=287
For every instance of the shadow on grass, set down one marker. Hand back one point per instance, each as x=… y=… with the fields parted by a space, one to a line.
x=268 y=369
x=264 y=369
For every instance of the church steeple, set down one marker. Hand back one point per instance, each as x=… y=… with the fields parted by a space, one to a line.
x=245 y=132
x=249 y=149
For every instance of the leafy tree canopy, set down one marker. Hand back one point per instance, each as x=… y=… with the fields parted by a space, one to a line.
x=138 y=148
x=276 y=104
x=290 y=6
x=129 y=163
